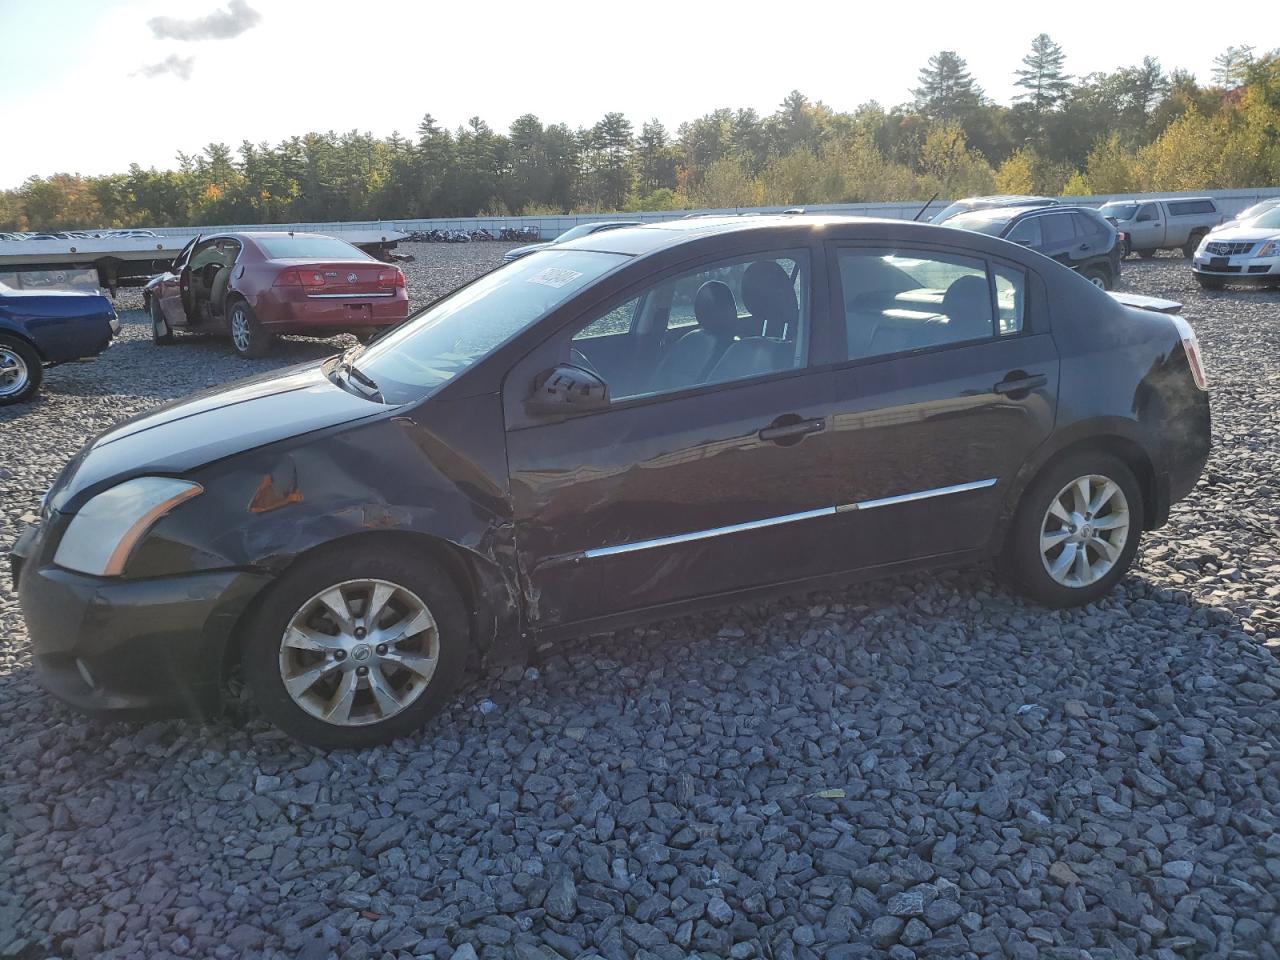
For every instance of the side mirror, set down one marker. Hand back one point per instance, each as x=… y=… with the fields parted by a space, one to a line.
x=567 y=389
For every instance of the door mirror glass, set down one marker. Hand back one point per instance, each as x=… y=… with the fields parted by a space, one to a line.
x=567 y=389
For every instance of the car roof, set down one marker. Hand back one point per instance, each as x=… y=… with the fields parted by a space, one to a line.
x=1013 y=213
x=1007 y=199
x=784 y=229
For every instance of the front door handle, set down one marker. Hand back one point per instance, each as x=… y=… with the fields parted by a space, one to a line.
x=790 y=429
x=1020 y=384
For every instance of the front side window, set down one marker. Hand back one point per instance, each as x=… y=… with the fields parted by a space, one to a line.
x=900 y=301
x=1026 y=232
x=733 y=320
x=1147 y=212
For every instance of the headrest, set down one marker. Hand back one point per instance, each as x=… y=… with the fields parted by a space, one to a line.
x=715 y=309
x=769 y=293
x=967 y=304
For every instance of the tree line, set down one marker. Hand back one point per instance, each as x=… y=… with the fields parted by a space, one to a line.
x=1138 y=128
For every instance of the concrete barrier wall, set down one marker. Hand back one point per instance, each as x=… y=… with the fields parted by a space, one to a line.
x=1230 y=201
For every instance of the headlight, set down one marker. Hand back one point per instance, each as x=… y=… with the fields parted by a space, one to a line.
x=103 y=534
x=1269 y=249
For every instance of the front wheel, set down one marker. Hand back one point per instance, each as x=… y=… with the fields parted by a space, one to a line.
x=357 y=647
x=1076 y=530
x=20 y=371
x=248 y=339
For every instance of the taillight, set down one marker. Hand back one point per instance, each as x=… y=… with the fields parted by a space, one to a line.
x=287 y=278
x=311 y=278
x=391 y=278
x=1191 y=346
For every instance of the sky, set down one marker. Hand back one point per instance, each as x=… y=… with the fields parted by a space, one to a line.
x=91 y=86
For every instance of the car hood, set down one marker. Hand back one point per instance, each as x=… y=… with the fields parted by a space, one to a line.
x=1242 y=233
x=209 y=426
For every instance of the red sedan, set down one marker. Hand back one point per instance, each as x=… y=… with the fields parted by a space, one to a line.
x=254 y=286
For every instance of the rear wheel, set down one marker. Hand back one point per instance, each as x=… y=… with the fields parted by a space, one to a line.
x=1099 y=276
x=356 y=647
x=1076 y=530
x=20 y=371
x=161 y=332
x=248 y=339
x=1193 y=243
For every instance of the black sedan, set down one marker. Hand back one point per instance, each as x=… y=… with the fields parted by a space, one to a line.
x=1078 y=237
x=42 y=328
x=619 y=428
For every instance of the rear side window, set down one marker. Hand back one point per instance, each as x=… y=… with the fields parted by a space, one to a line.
x=1057 y=228
x=901 y=300
x=1086 y=226
x=1186 y=208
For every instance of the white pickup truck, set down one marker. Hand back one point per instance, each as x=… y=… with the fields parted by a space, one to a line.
x=1162 y=224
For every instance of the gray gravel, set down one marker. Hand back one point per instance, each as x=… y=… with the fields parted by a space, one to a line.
x=917 y=768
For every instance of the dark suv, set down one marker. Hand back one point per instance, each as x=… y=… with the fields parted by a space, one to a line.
x=1078 y=237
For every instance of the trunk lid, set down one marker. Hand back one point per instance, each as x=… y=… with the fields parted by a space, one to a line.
x=335 y=278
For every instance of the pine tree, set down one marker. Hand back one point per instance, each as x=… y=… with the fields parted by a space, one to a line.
x=1232 y=65
x=1042 y=76
x=947 y=91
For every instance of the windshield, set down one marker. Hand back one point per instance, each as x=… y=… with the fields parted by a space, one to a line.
x=1249 y=213
x=1268 y=219
x=573 y=233
x=948 y=212
x=447 y=337
x=320 y=248
x=1121 y=211
x=979 y=223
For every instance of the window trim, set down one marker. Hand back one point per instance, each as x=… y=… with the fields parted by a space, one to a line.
x=813 y=252
x=836 y=311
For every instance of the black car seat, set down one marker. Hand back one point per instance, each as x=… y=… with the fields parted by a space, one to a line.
x=967 y=306
x=688 y=360
x=769 y=294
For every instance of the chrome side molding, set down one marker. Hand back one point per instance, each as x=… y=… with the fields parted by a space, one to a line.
x=785 y=518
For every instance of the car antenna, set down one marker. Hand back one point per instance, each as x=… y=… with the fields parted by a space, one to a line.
x=925 y=207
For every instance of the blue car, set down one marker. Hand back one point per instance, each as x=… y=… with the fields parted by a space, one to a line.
x=42 y=328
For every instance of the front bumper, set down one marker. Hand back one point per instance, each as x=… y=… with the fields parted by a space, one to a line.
x=1239 y=267
x=128 y=648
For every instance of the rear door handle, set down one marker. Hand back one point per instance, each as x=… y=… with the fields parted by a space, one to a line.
x=1021 y=384
x=781 y=432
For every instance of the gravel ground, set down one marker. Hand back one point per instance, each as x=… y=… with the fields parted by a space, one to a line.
x=917 y=768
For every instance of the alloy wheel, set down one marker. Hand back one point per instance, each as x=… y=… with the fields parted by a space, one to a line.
x=13 y=372
x=1097 y=281
x=1084 y=531
x=359 y=652
x=240 y=329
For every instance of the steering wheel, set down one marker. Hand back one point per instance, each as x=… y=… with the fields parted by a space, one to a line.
x=579 y=358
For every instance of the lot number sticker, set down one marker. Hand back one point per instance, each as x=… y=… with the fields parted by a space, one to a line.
x=555 y=277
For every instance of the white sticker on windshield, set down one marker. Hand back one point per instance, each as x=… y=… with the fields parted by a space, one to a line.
x=554 y=277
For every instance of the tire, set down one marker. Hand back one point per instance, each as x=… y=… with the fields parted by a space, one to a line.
x=1098 y=276
x=419 y=584
x=161 y=332
x=1128 y=249
x=1210 y=283
x=248 y=339
x=21 y=371
x=1147 y=254
x=1029 y=567
x=1192 y=245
